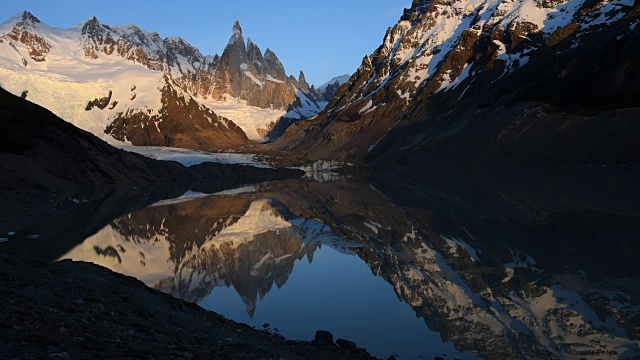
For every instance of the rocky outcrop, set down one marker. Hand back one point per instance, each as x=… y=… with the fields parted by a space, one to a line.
x=181 y=122
x=242 y=71
x=23 y=32
x=451 y=81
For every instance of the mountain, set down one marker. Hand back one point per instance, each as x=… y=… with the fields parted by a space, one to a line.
x=490 y=82
x=330 y=88
x=307 y=105
x=47 y=163
x=135 y=86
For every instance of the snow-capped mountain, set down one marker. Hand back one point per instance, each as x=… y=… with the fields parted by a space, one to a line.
x=136 y=86
x=448 y=71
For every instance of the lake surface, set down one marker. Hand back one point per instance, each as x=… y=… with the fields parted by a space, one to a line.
x=487 y=268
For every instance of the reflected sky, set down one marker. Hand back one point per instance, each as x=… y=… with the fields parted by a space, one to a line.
x=340 y=294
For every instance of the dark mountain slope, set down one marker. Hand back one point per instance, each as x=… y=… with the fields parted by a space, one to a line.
x=474 y=85
x=568 y=106
x=37 y=149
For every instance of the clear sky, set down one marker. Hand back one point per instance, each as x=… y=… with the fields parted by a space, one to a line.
x=324 y=38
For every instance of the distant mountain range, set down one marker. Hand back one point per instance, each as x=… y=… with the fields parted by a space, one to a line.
x=135 y=86
x=519 y=82
x=527 y=82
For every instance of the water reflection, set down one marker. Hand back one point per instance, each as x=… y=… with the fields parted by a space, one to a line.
x=482 y=282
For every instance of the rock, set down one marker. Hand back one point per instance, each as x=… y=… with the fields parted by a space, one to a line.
x=346 y=344
x=438 y=358
x=38 y=295
x=391 y=357
x=61 y=355
x=324 y=336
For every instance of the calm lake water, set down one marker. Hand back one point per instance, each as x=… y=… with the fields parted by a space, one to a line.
x=498 y=268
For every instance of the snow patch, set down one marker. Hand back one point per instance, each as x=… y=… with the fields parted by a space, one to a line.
x=254 y=121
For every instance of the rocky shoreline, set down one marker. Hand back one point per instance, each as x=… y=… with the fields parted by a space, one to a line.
x=76 y=310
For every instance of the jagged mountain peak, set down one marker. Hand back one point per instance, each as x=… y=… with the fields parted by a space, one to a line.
x=237 y=29
x=251 y=46
x=27 y=16
x=241 y=72
x=135 y=30
x=270 y=55
x=237 y=38
x=339 y=80
x=24 y=18
x=91 y=26
x=448 y=52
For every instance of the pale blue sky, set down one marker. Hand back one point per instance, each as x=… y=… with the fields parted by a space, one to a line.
x=323 y=38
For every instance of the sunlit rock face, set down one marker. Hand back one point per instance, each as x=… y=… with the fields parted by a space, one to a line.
x=456 y=81
x=152 y=90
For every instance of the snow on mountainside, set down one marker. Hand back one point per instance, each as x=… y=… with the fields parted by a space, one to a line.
x=443 y=52
x=95 y=75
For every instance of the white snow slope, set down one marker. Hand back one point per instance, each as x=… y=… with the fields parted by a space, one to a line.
x=66 y=78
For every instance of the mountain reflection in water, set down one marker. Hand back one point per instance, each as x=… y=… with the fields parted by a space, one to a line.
x=502 y=273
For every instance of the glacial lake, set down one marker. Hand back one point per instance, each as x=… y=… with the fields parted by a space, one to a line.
x=496 y=269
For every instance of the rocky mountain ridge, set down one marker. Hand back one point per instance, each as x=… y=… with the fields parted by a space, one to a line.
x=243 y=85
x=448 y=70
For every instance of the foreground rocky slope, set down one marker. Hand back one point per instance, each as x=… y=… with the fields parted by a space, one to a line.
x=136 y=86
x=492 y=82
x=83 y=311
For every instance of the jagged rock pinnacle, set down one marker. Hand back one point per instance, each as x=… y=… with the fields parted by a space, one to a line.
x=237 y=29
x=27 y=16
